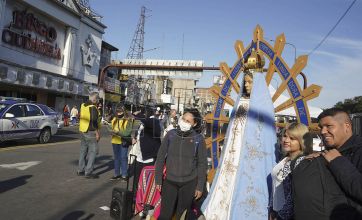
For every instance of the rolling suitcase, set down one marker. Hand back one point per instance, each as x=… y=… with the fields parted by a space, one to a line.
x=122 y=204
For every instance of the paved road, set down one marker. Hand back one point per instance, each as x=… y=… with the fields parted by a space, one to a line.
x=50 y=189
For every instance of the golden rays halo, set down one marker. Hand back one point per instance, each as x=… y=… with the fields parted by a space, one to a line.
x=298 y=97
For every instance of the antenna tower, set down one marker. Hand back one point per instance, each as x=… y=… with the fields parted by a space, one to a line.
x=136 y=49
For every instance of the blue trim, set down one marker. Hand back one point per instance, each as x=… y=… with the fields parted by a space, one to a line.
x=293 y=88
x=236 y=69
x=226 y=88
x=302 y=112
x=266 y=49
x=219 y=105
x=215 y=126
x=282 y=69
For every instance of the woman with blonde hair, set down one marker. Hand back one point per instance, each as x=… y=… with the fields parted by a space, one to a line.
x=296 y=143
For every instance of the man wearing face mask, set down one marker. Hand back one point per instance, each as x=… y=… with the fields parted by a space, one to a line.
x=183 y=152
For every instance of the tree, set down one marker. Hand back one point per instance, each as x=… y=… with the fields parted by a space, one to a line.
x=351 y=105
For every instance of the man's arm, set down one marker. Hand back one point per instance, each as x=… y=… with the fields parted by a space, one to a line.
x=345 y=173
x=96 y=123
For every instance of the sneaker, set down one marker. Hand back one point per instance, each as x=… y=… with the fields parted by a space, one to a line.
x=115 y=178
x=124 y=178
x=91 y=176
x=80 y=173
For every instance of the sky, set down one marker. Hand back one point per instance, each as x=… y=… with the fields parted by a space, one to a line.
x=207 y=30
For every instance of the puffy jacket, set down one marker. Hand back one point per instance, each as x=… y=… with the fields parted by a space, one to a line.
x=185 y=158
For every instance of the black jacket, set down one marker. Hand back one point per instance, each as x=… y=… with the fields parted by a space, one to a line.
x=185 y=158
x=330 y=191
x=347 y=169
x=150 y=140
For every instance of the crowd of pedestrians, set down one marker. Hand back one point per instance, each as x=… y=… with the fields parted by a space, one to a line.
x=305 y=184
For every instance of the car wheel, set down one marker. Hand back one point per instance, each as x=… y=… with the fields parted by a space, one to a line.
x=44 y=136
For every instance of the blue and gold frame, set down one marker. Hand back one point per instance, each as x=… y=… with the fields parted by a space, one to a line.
x=297 y=97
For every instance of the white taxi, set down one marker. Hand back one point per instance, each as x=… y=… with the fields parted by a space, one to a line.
x=21 y=120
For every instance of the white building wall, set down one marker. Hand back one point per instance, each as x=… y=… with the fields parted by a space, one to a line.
x=26 y=57
x=87 y=73
x=73 y=29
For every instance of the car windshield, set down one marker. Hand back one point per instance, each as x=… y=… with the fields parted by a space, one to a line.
x=2 y=107
x=48 y=109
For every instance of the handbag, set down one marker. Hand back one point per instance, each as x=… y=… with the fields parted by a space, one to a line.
x=133 y=151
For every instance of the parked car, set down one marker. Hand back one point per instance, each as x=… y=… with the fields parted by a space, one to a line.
x=22 y=120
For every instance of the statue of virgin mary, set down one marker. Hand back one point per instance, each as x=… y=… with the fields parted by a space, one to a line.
x=240 y=187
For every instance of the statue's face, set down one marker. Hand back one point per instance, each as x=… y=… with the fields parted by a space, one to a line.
x=248 y=81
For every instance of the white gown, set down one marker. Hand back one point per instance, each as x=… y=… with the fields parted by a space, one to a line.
x=219 y=207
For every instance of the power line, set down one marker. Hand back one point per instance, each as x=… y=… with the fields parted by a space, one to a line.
x=334 y=27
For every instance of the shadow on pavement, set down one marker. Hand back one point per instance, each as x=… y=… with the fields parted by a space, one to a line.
x=77 y=215
x=67 y=132
x=109 y=165
x=13 y=183
x=23 y=142
x=99 y=160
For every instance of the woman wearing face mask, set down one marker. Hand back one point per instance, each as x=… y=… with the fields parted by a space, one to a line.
x=121 y=127
x=296 y=142
x=183 y=152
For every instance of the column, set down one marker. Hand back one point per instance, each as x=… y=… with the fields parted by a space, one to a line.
x=67 y=69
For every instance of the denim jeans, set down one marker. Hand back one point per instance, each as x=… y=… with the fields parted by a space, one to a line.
x=88 y=151
x=120 y=152
x=74 y=120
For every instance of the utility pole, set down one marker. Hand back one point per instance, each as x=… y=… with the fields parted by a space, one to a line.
x=136 y=51
x=136 y=48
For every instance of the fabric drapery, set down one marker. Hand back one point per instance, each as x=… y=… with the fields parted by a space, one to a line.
x=250 y=194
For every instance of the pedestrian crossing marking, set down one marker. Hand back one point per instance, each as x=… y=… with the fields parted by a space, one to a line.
x=20 y=166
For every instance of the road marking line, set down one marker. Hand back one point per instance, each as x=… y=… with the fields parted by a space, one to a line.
x=105 y=208
x=37 y=145
x=20 y=166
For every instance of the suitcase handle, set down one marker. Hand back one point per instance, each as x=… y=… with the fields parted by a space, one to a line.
x=134 y=173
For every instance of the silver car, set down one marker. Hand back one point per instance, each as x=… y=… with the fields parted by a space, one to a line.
x=21 y=120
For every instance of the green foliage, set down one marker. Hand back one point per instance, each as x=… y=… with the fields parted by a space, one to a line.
x=351 y=105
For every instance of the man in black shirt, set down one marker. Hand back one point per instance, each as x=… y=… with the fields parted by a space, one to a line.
x=330 y=186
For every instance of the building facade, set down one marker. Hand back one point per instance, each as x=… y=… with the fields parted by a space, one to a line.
x=49 y=51
x=204 y=101
x=163 y=85
x=111 y=82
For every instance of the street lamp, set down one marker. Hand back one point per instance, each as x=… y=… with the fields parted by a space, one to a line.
x=295 y=59
x=290 y=44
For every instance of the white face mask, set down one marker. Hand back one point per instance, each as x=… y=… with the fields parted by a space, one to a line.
x=184 y=126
